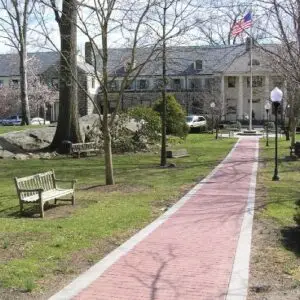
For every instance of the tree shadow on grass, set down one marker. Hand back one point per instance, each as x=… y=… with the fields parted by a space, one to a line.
x=32 y=211
x=291 y=239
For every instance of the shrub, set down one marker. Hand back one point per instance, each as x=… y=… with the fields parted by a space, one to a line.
x=148 y=120
x=175 y=116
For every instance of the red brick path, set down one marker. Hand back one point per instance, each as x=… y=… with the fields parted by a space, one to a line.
x=190 y=256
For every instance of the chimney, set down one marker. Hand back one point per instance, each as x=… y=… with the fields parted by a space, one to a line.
x=88 y=53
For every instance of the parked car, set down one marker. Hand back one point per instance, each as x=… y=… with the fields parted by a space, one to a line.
x=196 y=121
x=12 y=120
x=39 y=121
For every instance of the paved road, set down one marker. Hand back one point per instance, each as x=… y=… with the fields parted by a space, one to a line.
x=191 y=254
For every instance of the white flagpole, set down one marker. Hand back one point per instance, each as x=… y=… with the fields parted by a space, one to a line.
x=251 y=82
x=251 y=74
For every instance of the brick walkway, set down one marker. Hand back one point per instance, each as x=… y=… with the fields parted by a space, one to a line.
x=190 y=256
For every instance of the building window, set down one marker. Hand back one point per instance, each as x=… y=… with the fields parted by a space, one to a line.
x=198 y=65
x=130 y=86
x=113 y=85
x=93 y=82
x=176 y=84
x=158 y=83
x=257 y=81
x=208 y=83
x=14 y=83
x=231 y=81
x=195 y=83
x=143 y=84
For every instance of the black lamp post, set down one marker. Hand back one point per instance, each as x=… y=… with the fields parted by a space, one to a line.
x=267 y=108
x=212 y=106
x=276 y=97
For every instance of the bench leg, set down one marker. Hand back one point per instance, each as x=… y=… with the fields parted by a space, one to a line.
x=73 y=199
x=55 y=200
x=42 y=209
x=21 y=207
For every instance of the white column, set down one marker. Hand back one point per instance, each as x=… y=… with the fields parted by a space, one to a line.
x=267 y=94
x=222 y=92
x=240 y=109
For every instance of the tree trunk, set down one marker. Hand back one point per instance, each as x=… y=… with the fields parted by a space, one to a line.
x=109 y=175
x=163 y=154
x=68 y=124
x=23 y=86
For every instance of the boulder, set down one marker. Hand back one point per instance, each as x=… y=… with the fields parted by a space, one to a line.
x=21 y=156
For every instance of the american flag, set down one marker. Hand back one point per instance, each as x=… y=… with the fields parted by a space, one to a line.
x=243 y=24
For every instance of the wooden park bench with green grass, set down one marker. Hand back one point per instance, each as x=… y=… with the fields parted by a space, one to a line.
x=41 y=188
x=79 y=148
x=177 y=153
x=295 y=149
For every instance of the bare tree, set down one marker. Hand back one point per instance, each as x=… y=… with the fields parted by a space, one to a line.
x=99 y=20
x=284 y=16
x=14 y=21
x=170 y=20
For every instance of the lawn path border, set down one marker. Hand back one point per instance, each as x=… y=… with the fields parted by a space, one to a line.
x=238 y=285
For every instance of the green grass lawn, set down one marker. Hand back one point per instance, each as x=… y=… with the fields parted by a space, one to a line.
x=283 y=194
x=280 y=198
x=5 y=129
x=33 y=251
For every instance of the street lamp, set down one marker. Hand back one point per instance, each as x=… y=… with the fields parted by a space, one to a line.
x=276 y=97
x=212 y=106
x=267 y=108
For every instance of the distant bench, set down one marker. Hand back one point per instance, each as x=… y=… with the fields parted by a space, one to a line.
x=41 y=188
x=79 y=148
x=177 y=153
x=295 y=149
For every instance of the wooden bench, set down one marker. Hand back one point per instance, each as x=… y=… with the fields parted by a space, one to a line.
x=78 y=148
x=177 y=153
x=41 y=188
x=295 y=149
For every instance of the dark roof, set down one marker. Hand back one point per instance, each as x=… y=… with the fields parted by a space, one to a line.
x=9 y=63
x=180 y=60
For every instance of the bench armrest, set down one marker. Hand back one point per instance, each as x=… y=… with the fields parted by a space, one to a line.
x=65 y=180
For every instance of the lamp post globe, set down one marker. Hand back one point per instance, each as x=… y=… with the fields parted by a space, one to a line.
x=212 y=106
x=267 y=108
x=276 y=97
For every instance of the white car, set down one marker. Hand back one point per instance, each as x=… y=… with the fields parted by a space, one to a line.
x=196 y=121
x=39 y=121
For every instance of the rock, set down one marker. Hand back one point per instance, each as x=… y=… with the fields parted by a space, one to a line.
x=21 y=156
x=33 y=156
x=6 y=154
x=46 y=155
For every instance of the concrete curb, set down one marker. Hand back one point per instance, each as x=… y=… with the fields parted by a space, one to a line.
x=238 y=285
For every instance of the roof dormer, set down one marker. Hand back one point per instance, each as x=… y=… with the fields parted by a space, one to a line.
x=198 y=65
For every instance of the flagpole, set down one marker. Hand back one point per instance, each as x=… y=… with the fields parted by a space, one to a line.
x=251 y=82
x=251 y=75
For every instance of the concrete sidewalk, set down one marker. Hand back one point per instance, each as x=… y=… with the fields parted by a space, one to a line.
x=199 y=249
